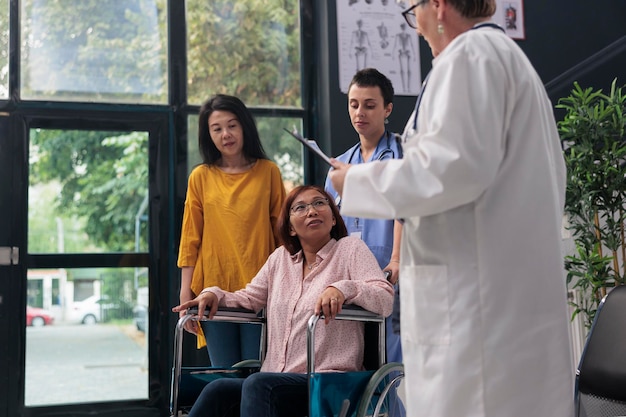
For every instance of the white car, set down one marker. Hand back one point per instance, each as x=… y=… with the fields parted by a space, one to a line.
x=88 y=311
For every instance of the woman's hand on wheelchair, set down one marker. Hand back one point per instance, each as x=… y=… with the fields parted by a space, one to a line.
x=190 y=325
x=205 y=300
x=329 y=303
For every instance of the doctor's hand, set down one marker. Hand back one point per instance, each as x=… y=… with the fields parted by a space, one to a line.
x=206 y=300
x=337 y=175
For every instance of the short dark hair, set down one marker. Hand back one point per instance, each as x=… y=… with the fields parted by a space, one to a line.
x=371 y=77
x=474 y=8
x=252 y=147
x=292 y=243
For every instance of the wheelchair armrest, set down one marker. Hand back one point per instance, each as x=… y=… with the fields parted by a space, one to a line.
x=232 y=314
x=348 y=312
x=355 y=312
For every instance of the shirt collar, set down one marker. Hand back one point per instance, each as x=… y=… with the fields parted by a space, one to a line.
x=321 y=254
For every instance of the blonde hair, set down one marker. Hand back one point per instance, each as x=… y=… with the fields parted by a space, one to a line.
x=474 y=8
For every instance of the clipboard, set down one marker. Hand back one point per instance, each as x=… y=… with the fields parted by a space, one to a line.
x=311 y=145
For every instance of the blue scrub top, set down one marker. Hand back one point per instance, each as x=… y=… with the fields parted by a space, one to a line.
x=376 y=233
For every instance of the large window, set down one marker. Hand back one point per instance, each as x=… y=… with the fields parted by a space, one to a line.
x=92 y=50
x=250 y=49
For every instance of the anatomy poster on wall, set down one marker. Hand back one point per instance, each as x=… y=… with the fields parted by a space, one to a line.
x=373 y=33
x=510 y=15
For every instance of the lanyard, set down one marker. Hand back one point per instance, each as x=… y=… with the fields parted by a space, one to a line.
x=419 y=101
x=419 y=98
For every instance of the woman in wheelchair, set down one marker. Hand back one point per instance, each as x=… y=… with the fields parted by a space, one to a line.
x=318 y=269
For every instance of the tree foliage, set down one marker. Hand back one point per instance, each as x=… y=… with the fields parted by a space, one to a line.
x=94 y=50
x=103 y=177
x=250 y=49
x=593 y=135
x=91 y=50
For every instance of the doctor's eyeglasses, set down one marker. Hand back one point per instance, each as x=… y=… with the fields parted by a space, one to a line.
x=409 y=14
x=302 y=209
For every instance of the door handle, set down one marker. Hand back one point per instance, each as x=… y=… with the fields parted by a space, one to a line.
x=9 y=255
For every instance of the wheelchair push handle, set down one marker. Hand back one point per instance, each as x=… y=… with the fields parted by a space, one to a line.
x=387 y=275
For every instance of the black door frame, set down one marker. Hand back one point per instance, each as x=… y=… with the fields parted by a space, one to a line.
x=14 y=137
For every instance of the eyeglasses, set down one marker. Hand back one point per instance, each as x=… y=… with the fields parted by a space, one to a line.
x=409 y=14
x=302 y=209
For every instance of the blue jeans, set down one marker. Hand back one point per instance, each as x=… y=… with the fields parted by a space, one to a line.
x=264 y=394
x=229 y=343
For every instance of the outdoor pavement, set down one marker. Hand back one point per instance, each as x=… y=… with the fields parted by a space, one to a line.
x=68 y=364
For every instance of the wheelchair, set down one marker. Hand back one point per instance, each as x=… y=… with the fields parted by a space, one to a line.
x=331 y=394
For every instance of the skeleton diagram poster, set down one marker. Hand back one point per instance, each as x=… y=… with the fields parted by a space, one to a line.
x=373 y=33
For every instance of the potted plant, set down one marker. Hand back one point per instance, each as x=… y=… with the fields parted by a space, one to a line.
x=593 y=137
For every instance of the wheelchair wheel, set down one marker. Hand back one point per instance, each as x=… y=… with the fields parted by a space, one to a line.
x=372 y=403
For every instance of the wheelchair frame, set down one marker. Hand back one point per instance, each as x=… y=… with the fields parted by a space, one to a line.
x=356 y=313
x=348 y=312
x=231 y=315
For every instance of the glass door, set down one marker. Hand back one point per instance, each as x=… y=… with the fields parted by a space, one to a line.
x=91 y=191
x=87 y=194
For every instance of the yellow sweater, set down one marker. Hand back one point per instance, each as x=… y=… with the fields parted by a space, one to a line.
x=229 y=224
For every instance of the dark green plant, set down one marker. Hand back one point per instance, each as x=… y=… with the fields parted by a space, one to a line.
x=592 y=133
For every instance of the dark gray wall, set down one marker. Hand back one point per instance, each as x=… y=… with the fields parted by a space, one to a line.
x=566 y=41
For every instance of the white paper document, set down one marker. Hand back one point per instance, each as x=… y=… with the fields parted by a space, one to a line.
x=311 y=145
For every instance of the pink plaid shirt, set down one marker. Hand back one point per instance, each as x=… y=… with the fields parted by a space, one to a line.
x=347 y=265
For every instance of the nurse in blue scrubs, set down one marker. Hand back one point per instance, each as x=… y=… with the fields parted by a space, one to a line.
x=370 y=102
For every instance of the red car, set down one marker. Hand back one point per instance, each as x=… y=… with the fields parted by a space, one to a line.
x=38 y=317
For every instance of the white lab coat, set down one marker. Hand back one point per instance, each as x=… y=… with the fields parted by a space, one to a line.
x=481 y=187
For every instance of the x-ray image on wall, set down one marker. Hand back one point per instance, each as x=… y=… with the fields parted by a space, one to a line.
x=373 y=33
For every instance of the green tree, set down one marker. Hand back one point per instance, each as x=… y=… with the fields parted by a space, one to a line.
x=593 y=135
x=51 y=230
x=110 y=51
x=250 y=49
x=104 y=179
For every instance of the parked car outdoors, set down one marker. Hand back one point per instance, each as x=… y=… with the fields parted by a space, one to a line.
x=140 y=317
x=38 y=317
x=97 y=309
x=140 y=311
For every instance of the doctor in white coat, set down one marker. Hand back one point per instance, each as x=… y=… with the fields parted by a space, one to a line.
x=484 y=322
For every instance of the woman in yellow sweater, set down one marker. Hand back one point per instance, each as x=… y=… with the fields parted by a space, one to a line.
x=233 y=202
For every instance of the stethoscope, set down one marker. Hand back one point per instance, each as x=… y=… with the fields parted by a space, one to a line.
x=386 y=153
x=419 y=98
